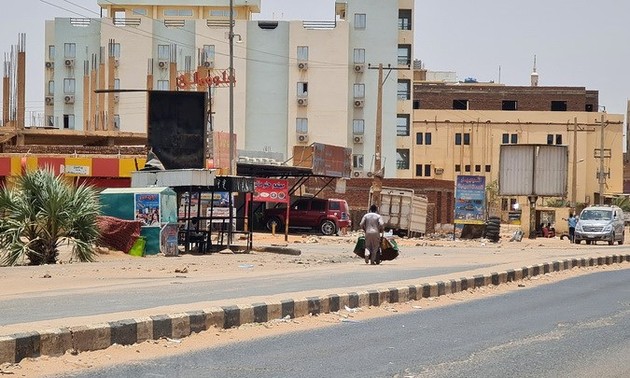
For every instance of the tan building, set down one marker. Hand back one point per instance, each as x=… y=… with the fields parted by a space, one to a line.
x=459 y=129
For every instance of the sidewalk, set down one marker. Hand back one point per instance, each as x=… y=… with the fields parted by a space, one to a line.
x=470 y=264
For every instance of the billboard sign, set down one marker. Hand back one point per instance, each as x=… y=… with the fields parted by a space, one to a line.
x=533 y=170
x=470 y=199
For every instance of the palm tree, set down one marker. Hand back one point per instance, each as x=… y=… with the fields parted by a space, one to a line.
x=40 y=212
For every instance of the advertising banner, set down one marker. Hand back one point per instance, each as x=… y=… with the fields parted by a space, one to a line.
x=271 y=190
x=147 y=207
x=470 y=195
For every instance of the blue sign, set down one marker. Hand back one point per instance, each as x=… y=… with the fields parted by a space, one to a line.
x=470 y=199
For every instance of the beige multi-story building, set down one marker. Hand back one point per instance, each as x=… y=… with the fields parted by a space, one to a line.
x=459 y=129
x=296 y=82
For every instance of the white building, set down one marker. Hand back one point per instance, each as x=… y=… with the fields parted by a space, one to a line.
x=297 y=82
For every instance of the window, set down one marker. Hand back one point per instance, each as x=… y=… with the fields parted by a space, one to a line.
x=419 y=138
x=358 y=126
x=477 y=168
x=357 y=161
x=68 y=86
x=139 y=11
x=359 y=56
x=301 y=125
x=301 y=205
x=116 y=83
x=509 y=105
x=423 y=170
x=427 y=139
x=302 y=52
x=302 y=89
x=162 y=85
x=359 y=21
x=51 y=87
x=404 y=55
x=589 y=107
x=458 y=168
x=117 y=121
x=318 y=205
x=514 y=138
x=402 y=158
x=462 y=139
x=178 y=13
x=505 y=139
x=51 y=52
x=509 y=138
x=50 y=121
x=221 y=13
x=558 y=106
x=504 y=204
x=460 y=104
x=416 y=104
x=358 y=90
x=402 y=125
x=404 y=19
x=488 y=168
x=549 y=138
x=69 y=50
x=68 y=121
x=208 y=53
x=115 y=50
x=164 y=52
x=404 y=92
x=467 y=167
x=558 y=138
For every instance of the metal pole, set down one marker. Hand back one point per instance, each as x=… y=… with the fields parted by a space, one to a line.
x=574 y=173
x=377 y=180
x=231 y=69
x=602 y=178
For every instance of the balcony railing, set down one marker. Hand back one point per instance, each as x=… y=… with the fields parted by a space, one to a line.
x=127 y=21
x=319 y=24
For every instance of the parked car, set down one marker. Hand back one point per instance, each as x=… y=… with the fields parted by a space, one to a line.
x=327 y=215
x=604 y=223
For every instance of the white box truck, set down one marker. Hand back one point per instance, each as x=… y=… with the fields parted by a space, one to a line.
x=403 y=211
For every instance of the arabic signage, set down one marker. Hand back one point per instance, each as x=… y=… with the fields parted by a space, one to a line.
x=271 y=190
x=204 y=79
x=470 y=196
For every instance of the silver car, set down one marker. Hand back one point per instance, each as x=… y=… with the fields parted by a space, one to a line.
x=604 y=223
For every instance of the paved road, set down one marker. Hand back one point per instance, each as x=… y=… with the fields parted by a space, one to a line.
x=575 y=328
x=174 y=291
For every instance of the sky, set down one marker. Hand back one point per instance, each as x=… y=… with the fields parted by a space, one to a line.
x=576 y=42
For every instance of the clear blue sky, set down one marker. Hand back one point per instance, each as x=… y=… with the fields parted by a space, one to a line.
x=577 y=42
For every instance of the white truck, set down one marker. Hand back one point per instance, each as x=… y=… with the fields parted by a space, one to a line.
x=403 y=211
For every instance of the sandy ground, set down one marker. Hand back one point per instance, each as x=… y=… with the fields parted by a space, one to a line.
x=115 y=269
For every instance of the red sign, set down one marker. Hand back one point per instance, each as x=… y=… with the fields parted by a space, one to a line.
x=271 y=190
x=185 y=81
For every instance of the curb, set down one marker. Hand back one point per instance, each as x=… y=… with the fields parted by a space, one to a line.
x=55 y=342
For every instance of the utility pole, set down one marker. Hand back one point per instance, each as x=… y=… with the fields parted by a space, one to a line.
x=574 y=173
x=377 y=177
x=601 y=176
x=232 y=170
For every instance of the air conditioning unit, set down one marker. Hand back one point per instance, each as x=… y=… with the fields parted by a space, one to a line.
x=163 y=64
x=208 y=64
x=116 y=99
x=69 y=62
x=69 y=99
x=358 y=103
x=358 y=174
x=369 y=174
x=50 y=100
x=303 y=66
x=439 y=171
x=358 y=139
x=358 y=68
x=50 y=65
x=116 y=63
x=302 y=138
x=302 y=101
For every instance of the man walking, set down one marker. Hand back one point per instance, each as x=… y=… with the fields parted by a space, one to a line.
x=572 y=223
x=372 y=224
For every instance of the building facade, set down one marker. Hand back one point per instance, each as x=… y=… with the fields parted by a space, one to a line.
x=295 y=82
x=459 y=129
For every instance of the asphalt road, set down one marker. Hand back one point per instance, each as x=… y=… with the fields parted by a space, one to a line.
x=574 y=328
x=174 y=291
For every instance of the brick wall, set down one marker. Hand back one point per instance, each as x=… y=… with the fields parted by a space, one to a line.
x=491 y=97
x=358 y=189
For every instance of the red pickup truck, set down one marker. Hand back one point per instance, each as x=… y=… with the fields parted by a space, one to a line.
x=328 y=215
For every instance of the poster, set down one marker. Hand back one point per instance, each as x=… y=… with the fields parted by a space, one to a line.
x=271 y=190
x=168 y=239
x=147 y=207
x=470 y=198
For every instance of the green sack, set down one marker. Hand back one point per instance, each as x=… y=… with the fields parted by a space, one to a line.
x=138 y=247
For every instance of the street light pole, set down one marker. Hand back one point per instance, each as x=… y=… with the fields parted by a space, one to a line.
x=231 y=79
